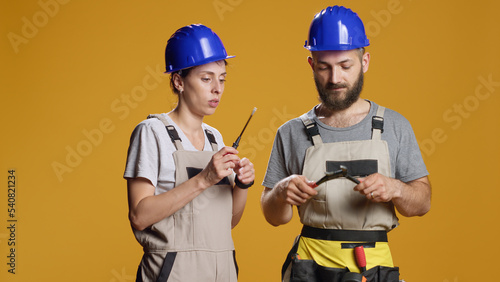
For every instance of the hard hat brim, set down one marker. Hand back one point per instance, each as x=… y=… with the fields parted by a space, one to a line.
x=198 y=63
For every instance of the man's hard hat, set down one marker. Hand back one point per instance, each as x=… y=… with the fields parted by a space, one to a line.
x=336 y=28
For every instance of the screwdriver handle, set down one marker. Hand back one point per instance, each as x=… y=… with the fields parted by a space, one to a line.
x=359 y=253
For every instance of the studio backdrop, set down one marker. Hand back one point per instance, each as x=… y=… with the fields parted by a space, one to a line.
x=78 y=76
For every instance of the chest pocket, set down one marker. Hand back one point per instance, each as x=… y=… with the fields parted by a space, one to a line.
x=337 y=206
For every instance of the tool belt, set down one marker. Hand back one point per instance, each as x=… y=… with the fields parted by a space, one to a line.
x=306 y=269
x=344 y=235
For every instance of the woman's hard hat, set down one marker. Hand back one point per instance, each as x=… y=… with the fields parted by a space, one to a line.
x=193 y=45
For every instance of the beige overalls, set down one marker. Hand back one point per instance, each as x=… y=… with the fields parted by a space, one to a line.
x=337 y=219
x=195 y=243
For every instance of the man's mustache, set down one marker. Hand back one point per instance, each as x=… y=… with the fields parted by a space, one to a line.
x=334 y=86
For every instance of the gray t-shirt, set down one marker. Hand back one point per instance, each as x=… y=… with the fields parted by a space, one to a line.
x=150 y=152
x=291 y=143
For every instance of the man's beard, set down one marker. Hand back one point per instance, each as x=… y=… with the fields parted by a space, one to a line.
x=328 y=94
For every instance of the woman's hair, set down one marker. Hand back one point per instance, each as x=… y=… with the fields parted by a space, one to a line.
x=182 y=73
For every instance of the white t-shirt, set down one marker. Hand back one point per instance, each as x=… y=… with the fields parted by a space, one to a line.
x=150 y=152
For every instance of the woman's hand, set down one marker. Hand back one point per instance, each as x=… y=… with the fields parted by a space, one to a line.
x=245 y=171
x=220 y=166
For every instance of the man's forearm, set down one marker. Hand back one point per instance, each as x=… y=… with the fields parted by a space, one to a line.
x=414 y=198
x=275 y=211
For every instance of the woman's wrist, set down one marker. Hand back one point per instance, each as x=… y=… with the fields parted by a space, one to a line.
x=241 y=185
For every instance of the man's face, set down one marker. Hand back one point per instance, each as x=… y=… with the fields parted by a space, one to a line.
x=339 y=76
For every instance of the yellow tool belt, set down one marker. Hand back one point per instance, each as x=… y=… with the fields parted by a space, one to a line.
x=329 y=254
x=335 y=248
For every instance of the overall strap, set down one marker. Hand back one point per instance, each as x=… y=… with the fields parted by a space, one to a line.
x=211 y=139
x=174 y=136
x=378 y=123
x=311 y=130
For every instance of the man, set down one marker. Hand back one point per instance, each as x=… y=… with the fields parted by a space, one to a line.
x=359 y=142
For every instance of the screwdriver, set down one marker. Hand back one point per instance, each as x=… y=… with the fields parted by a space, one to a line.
x=237 y=142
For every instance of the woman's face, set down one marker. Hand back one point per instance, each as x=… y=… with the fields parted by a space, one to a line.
x=202 y=88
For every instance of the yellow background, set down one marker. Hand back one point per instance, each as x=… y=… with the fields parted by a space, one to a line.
x=72 y=68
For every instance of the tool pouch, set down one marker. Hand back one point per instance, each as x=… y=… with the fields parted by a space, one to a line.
x=310 y=271
x=382 y=274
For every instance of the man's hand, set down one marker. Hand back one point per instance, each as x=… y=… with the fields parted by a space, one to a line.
x=379 y=188
x=295 y=190
x=410 y=199
x=277 y=203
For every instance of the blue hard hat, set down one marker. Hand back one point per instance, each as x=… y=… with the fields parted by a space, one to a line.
x=336 y=28
x=193 y=45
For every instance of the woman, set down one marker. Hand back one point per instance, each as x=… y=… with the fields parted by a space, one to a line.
x=185 y=195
